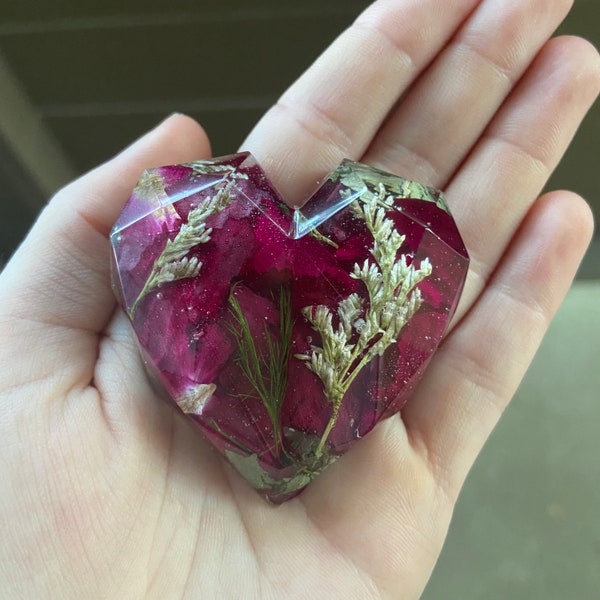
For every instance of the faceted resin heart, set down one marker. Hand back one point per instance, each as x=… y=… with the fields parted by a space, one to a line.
x=286 y=335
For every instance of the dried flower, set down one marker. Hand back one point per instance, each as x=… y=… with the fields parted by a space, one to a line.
x=194 y=399
x=361 y=334
x=172 y=264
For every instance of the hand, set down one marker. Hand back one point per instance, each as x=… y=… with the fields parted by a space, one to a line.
x=108 y=493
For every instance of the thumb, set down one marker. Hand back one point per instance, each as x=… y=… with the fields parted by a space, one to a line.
x=55 y=293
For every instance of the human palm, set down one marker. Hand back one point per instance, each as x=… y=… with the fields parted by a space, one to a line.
x=109 y=493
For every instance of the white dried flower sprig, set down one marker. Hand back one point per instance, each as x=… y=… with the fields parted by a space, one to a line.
x=180 y=269
x=193 y=400
x=172 y=264
x=151 y=184
x=207 y=167
x=361 y=334
x=357 y=177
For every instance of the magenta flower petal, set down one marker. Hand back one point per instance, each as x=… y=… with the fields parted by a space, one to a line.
x=286 y=336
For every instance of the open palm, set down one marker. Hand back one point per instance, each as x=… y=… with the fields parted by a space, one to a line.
x=108 y=493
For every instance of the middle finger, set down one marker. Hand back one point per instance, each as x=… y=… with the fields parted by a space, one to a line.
x=335 y=108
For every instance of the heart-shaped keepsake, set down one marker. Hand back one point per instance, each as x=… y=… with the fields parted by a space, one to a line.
x=285 y=334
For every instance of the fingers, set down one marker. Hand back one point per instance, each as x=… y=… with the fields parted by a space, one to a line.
x=380 y=504
x=479 y=366
x=336 y=107
x=443 y=115
x=381 y=487
x=516 y=155
x=58 y=281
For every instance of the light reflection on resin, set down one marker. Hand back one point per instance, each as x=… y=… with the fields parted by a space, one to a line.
x=285 y=335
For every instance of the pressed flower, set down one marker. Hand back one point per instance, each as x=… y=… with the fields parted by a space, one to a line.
x=285 y=335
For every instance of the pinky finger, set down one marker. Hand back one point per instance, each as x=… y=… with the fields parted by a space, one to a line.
x=482 y=362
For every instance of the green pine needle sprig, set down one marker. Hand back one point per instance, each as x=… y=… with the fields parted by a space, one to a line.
x=266 y=373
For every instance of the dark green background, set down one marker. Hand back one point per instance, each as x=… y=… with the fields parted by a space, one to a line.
x=101 y=73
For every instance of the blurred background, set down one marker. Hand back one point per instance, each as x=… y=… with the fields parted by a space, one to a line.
x=81 y=79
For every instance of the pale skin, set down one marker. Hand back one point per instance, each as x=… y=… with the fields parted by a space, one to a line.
x=106 y=492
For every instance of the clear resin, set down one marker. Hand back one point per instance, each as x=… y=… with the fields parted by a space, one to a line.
x=285 y=335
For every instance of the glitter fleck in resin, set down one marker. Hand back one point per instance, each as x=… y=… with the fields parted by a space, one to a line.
x=285 y=335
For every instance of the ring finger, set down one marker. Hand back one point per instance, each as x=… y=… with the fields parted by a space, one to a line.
x=442 y=116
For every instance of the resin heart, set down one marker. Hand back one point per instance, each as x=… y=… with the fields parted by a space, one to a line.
x=286 y=335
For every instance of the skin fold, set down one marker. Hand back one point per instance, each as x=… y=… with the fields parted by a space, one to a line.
x=108 y=493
